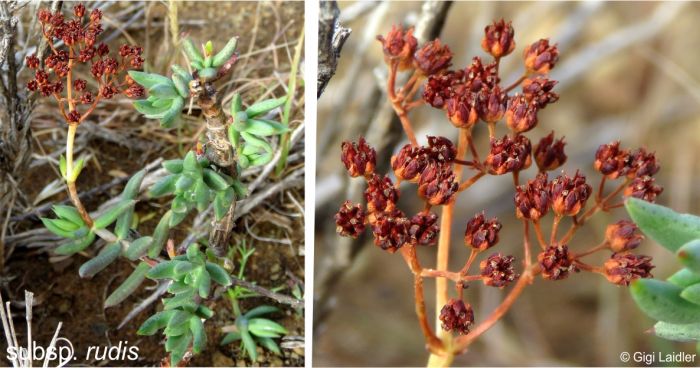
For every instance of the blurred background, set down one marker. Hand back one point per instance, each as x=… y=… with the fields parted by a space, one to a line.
x=627 y=71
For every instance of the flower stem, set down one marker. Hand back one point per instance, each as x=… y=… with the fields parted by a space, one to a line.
x=70 y=181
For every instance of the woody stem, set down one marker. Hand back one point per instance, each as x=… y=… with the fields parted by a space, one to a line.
x=540 y=237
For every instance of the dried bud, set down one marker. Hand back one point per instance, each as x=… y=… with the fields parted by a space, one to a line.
x=521 y=115
x=350 y=220
x=497 y=270
x=461 y=109
x=549 y=154
x=409 y=163
x=532 y=199
x=390 y=230
x=508 y=154
x=441 y=149
x=491 y=104
x=73 y=117
x=102 y=49
x=440 y=87
x=538 y=91
x=135 y=91
x=79 y=84
x=44 y=15
x=611 y=161
x=456 y=316
x=642 y=163
x=399 y=46
x=86 y=98
x=95 y=15
x=479 y=75
x=498 y=39
x=108 y=91
x=32 y=61
x=79 y=10
x=643 y=188
x=32 y=85
x=424 y=229
x=482 y=234
x=437 y=184
x=622 y=236
x=623 y=268
x=540 y=57
x=556 y=262
x=433 y=57
x=381 y=195
x=569 y=195
x=359 y=158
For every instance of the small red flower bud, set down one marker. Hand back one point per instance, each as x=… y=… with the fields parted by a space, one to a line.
x=569 y=195
x=410 y=162
x=642 y=163
x=491 y=104
x=521 y=115
x=108 y=91
x=623 y=268
x=540 y=57
x=381 y=195
x=437 y=184
x=350 y=220
x=622 y=236
x=79 y=10
x=482 y=234
x=461 y=109
x=538 y=91
x=498 y=39
x=441 y=149
x=532 y=200
x=79 y=84
x=556 y=262
x=456 y=316
x=424 y=229
x=95 y=16
x=497 y=270
x=86 y=98
x=549 y=154
x=508 y=154
x=612 y=161
x=135 y=91
x=399 y=45
x=41 y=77
x=32 y=85
x=359 y=158
x=440 y=87
x=643 y=187
x=479 y=75
x=102 y=49
x=390 y=230
x=433 y=57
x=44 y=15
x=74 y=117
x=32 y=61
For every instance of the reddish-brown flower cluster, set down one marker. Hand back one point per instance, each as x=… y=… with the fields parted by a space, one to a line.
x=359 y=158
x=498 y=39
x=540 y=57
x=549 y=154
x=424 y=228
x=622 y=236
x=556 y=262
x=399 y=47
x=456 y=316
x=482 y=234
x=497 y=270
x=508 y=155
x=638 y=167
x=350 y=220
x=623 y=268
x=532 y=201
x=569 y=194
x=79 y=37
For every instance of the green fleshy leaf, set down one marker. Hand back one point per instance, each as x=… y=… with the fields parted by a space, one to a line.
x=176 y=218
x=236 y=104
x=230 y=337
x=258 y=159
x=182 y=72
x=191 y=51
x=76 y=246
x=147 y=80
x=222 y=202
x=265 y=128
x=179 y=324
x=181 y=86
x=678 y=332
x=173 y=166
x=173 y=112
x=190 y=163
x=214 y=180
x=692 y=294
x=204 y=283
x=178 y=348
x=248 y=342
x=662 y=301
x=108 y=255
x=155 y=322
x=68 y=213
x=204 y=312
x=207 y=73
x=234 y=136
x=270 y=345
x=163 y=187
x=663 y=225
x=225 y=53
x=164 y=90
x=265 y=328
x=197 y=65
x=146 y=107
x=208 y=48
x=128 y=286
x=689 y=255
x=202 y=195
x=183 y=183
x=109 y=216
x=684 y=278
x=131 y=189
x=138 y=248
x=240 y=121
x=77 y=169
x=163 y=270
x=160 y=235
x=58 y=227
x=218 y=274
x=161 y=103
x=62 y=166
x=260 y=310
x=255 y=141
x=265 y=106
x=200 y=336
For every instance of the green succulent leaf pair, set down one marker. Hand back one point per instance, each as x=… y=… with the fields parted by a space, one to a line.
x=253 y=330
x=249 y=128
x=675 y=303
x=208 y=63
x=182 y=317
x=77 y=169
x=166 y=96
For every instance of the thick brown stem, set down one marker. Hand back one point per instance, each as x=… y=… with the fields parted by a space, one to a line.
x=73 y=191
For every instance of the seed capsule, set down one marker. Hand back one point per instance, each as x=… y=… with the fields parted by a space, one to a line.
x=456 y=316
x=482 y=234
x=623 y=268
x=623 y=236
x=498 y=39
x=556 y=262
x=350 y=220
x=497 y=270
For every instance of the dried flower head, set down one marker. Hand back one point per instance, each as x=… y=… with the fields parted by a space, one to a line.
x=479 y=75
x=390 y=230
x=623 y=268
x=538 y=91
x=508 y=155
x=399 y=46
x=498 y=39
x=441 y=149
x=350 y=220
x=441 y=86
x=612 y=161
x=456 y=316
x=497 y=270
x=556 y=262
x=532 y=200
x=437 y=184
x=381 y=194
x=623 y=236
x=359 y=158
x=643 y=187
x=491 y=104
x=642 y=163
x=461 y=108
x=549 y=154
x=540 y=57
x=424 y=228
x=521 y=115
x=482 y=234
x=569 y=195
x=433 y=57
x=410 y=162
